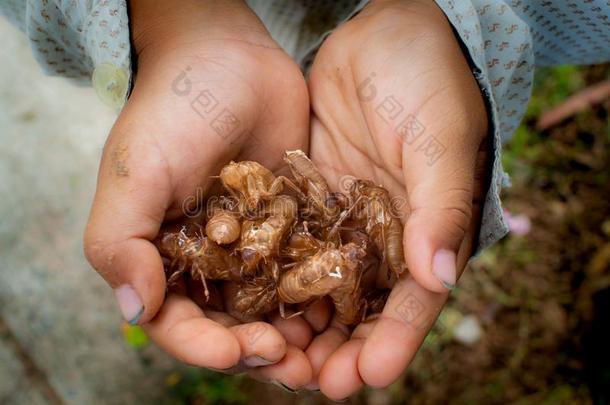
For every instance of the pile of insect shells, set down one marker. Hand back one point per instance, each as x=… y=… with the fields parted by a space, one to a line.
x=275 y=243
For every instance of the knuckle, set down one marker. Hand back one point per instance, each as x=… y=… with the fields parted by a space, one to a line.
x=458 y=209
x=98 y=254
x=453 y=207
x=91 y=246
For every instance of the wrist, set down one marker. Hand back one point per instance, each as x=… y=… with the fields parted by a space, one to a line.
x=166 y=26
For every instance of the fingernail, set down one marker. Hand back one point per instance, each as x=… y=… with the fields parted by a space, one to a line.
x=443 y=267
x=312 y=387
x=239 y=368
x=257 y=361
x=283 y=386
x=129 y=303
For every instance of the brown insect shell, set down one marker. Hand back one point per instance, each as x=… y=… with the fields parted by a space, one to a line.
x=223 y=227
x=249 y=179
x=262 y=238
x=319 y=274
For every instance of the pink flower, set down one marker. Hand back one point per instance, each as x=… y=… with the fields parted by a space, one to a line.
x=518 y=224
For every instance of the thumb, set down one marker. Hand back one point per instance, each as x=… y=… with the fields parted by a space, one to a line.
x=445 y=205
x=128 y=208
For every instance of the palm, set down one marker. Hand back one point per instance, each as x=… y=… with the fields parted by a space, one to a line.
x=207 y=112
x=365 y=85
x=205 y=99
x=379 y=113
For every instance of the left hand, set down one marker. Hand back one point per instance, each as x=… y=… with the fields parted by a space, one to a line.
x=210 y=81
x=394 y=101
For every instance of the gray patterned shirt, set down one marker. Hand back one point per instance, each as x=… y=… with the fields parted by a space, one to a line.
x=88 y=41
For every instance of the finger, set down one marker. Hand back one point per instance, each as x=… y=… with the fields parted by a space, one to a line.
x=181 y=329
x=435 y=142
x=295 y=330
x=222 y=318
x=142 y=181
x=364 y=328
x=317 y=314
x=398 y=332
x=339 y=377
x=261 y=344
x=441 y=182
x=127 y=211
x=327 y=344
x=292 y=372
x=322 y=347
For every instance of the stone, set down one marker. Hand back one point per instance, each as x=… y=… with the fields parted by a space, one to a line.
x=56 y=306
x=468 y=331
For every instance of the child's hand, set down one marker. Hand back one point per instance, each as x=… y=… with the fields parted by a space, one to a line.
x=211 y=86
x=394 y=100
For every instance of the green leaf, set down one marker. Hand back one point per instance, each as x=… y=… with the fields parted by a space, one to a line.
x=135 y=336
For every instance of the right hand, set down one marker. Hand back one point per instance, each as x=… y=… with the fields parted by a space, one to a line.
x=163 y=150
x=411 y=117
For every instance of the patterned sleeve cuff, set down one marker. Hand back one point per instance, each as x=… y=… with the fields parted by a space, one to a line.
x=307 y=57
x=87 y=41
x=499 y=44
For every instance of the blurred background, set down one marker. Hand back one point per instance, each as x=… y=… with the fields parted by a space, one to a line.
x=527 y=325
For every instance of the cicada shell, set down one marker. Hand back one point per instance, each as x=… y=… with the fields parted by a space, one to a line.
x=275 y=246
x=374 y=207
x=259 y=295
x=260 y=239
x=301 y=244
x=199 y=256
x=320 y=274
x=224 y=227
x=322 y=205
x=252 y=183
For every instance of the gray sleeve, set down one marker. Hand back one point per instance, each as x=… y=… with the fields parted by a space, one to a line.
x=86 y=40
x=505 y=40
x=500 y=46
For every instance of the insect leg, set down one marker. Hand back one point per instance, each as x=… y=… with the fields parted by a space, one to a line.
x=344 y=215
x=196 y=270
x=277 y=184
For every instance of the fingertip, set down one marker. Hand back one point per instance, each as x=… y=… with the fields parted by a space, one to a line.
x=293 y=370
x=420 y=259
x=181 y=329
x=321 y=348
x=385 y=354
x=318 y=314
x=295 y=330
x=261 y=344
x=141 y=269
x=339 y=377
x=206 y=344
x=408 y=315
